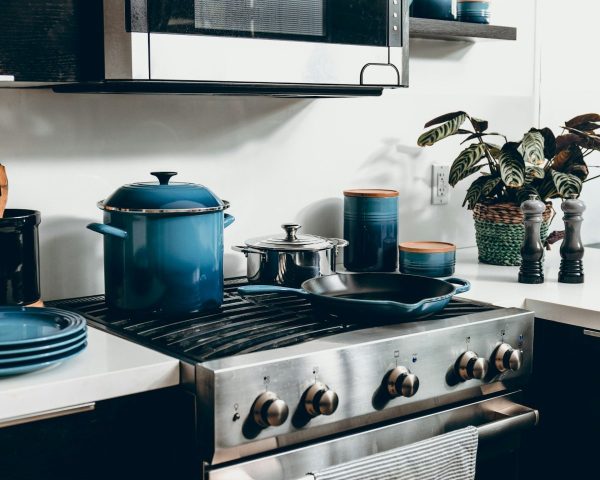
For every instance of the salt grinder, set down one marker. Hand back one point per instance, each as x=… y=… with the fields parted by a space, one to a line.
x=532 y=251
x=571 y=250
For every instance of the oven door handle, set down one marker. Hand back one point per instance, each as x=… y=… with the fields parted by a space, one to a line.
x=491 y=430
x=510 y=424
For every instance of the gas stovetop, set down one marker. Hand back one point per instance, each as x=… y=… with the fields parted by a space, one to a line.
x=241 y=325
x=268 y=373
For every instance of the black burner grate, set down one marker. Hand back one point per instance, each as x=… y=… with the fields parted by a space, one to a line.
x=241 y=325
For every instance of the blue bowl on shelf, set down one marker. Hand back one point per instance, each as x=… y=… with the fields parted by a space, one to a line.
x=473 y=12
x=428 y=259
x=436 y=9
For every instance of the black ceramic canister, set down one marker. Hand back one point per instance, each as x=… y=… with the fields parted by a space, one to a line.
x=19 y=257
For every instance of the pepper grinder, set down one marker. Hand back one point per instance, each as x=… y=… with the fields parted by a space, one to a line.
x=571 y=250
x=532 y=251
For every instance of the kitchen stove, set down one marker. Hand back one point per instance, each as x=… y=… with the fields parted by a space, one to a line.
x=273 y=382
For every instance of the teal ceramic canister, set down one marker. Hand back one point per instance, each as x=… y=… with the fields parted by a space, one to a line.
x=428 y=259
x=163 y=247
x=371 y=229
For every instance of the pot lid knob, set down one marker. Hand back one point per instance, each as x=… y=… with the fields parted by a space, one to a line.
x=163 y=177
x=291 y=229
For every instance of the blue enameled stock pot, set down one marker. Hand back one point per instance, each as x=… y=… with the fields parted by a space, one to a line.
x=163 y=247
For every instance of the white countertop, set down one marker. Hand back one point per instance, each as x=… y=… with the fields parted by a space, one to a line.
x=109 y=367
x=573 y=304
x=112 y=367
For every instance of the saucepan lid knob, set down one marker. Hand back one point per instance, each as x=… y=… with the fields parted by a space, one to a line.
x=291 y=230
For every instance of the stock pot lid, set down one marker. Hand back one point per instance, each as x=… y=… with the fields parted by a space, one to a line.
x=290 y=241
x=163 y=197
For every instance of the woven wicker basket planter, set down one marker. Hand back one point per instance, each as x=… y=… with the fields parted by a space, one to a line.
x=500 y=232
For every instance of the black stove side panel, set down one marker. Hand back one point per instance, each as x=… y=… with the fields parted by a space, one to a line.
x=52 y=41
x=566 y=391
x=146 y=436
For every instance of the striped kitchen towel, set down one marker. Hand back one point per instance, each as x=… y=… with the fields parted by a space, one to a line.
x=451 y=456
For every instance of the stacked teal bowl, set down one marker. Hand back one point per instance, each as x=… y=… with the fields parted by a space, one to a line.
x=473 y=11
x=429 y=259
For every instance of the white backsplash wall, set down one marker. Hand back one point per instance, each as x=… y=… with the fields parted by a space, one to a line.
x=275 y=160
x=570 y=85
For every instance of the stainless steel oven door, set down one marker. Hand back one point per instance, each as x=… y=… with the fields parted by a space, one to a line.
x=494 y=418
x=312 y=42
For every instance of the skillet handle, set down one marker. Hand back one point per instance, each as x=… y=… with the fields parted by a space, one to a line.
x=463 y=285
x=261 y=289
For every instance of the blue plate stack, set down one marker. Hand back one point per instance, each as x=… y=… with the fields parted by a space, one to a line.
x=34 y=338
x=473 y=11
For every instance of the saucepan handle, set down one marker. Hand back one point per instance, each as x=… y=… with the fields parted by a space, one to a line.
x=246 y=250
x=262 y=289
x=463 y=285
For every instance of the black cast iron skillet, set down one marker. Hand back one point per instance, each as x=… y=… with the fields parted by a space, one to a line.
x=373 y=296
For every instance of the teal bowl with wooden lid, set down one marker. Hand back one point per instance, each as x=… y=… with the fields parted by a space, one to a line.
x=429 y=259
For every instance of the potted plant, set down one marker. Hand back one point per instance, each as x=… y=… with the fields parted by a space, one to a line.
x=507 y=173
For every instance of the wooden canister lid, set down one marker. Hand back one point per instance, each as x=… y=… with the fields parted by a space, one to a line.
x=371 y=192
x=427 y=247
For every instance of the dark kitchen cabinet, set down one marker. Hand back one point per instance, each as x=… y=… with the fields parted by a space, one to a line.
x=147 y=436
x=45 y=41
x=566 y=391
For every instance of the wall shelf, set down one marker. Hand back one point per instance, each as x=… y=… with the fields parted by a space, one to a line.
x=449 y=30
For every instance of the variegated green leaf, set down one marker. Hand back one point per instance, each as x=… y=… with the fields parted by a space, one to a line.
x=549 y=143
x=461 y=167
x=547 y=189
x=480 y=189
x=566 y=184
x=489 y=186
x=524 y=193
x=481 y=135
x=473 y=170
x=479 y=124
x=533 y=147
x=512 y=167
x=533 y=171
x=444 y=118
x=494 y=149
x=474 y=192
x=436 y=134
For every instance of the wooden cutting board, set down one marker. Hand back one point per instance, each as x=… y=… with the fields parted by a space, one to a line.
x=3 y=190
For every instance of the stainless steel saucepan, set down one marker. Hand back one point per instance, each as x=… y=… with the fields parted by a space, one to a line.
x=290 y=259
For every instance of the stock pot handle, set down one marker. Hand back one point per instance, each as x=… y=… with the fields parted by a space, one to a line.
x=261 y=289
x=107 y=230
x=228 y=220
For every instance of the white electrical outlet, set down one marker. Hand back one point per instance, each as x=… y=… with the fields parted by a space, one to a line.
x=440 y=189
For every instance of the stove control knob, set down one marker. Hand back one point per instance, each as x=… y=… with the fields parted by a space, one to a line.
x=507 y=358
x=402 y=383
x=269 y=410
x=469 y=365
x=319 y=399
